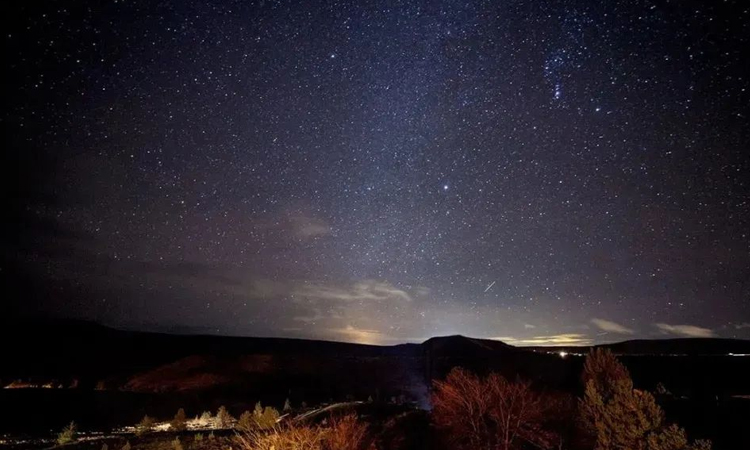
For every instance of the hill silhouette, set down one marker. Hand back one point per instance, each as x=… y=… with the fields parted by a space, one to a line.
x=88 y=355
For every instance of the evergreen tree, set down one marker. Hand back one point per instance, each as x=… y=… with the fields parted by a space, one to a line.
x=146 y=425
x=620 y=417
x=223 y=417
x=206 y=417
x=179 y=423
x=68 y=434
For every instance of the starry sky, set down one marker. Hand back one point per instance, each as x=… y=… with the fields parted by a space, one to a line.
x=558 y=172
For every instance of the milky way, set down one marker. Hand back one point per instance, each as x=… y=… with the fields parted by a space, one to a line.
x=381 y=172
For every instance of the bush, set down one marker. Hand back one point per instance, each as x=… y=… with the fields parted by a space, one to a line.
x=223 y=417
x=126 y=446
x=264 y=418
x=283 y=438
x=618 y=416
x=146 y=425
x=346 y=433
x=67 y=435
x=176 y=444
x=260 y=418
x=269 y=418
x=179 y=423
x=492 y=413
x=287 y=406
x=245 y=422
x=198 y=437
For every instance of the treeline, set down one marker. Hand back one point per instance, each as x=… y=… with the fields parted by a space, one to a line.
x=493 y=413
x=472 y=412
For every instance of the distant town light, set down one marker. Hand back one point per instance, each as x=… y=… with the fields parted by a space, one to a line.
x=563 y=354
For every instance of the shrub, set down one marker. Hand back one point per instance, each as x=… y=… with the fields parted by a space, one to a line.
x=283 y=438
x=105 y=446
x=223 y=417
x=146 y=425
x=206 y=417
x=492 y=413
x=176 y=444
x=618 y=416
x=347 y=433
x=269 y=418
x=287 y=406
x=198 y=437
x=211 y=436
x=67 y=435
x=126 y=446
x=245 y=422
x=179 y=423
x=264 y=418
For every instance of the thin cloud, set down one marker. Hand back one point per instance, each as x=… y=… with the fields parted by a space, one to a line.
x=422 y=291
x=529 y=326
x=555 y=340
x=685 y=330
x=317 y=316
x=262 y=288
x=611 y=327
x=364 y=291
x=305 y=226
x=359 y=335
x=297 y=224
x=742 y=326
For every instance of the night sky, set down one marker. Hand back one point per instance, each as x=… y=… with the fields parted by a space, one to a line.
x=380 y=172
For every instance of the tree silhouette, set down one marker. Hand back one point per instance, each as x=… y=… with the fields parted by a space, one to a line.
x=179 y=423
x=146 y=425
x=492 y=413
x=617 y=416
x=223 y=417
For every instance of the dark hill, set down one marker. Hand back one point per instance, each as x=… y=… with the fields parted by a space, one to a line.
x=464 y=347
x=682 y=346
x=88 y=355
x=665 y=347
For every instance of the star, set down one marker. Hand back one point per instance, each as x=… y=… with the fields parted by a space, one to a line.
x=308 y=172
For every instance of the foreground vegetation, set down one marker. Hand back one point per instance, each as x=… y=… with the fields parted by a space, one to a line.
x=469 y=412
